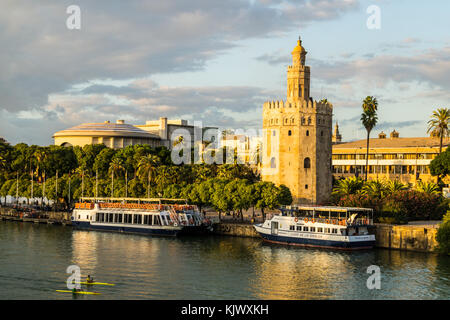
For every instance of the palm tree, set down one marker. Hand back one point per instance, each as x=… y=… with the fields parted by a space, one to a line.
x=165 y=176
x=439 y=124
x=2 y=162
x=115 y=166
x=369 y=120
x=393 y=186
x=375 y=188
x=348 y=186
x=430 y=188
x=147 y=166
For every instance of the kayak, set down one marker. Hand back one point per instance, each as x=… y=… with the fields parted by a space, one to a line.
x=78 y=292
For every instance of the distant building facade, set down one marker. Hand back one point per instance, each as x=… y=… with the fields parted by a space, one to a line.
x=120 y=134
x=393 y=158
x=298 y=133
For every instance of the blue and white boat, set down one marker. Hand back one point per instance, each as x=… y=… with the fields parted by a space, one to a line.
x=140 y=216
x=323 y=227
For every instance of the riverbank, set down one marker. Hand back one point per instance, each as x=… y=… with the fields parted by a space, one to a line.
x=44 y=217
x=414 y=237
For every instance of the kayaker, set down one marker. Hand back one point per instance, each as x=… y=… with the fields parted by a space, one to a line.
x=89 y=279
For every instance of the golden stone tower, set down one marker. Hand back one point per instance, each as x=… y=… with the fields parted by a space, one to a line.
x=297 y=139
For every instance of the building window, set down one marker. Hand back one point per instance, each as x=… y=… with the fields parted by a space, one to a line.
x=289 y=133
x=321 y=133
x=307 y=133
x=306 y=186
x=307 y=163
x=273 y=164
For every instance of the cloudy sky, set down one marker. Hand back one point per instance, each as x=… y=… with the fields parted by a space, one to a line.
x=217 y=61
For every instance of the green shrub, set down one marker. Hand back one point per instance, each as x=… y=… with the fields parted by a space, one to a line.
x=443 y=237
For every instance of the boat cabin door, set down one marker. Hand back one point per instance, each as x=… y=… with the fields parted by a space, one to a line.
x=274 y=227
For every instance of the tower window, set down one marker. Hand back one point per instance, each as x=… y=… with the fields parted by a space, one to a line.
x=289 y=133
x=307 y=133
x=321 y=133
x=307 y=163
x=306 y=186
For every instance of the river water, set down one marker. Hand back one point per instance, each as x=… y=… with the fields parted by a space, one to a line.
x=34 y=259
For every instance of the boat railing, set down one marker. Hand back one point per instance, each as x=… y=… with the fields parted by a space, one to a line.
x=141 y=206
x=337 y=221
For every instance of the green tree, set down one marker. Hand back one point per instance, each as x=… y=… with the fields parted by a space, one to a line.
x=369 y=120
x=115 y=167
x=345 y=187
x=440 y=166
x=439 y=124
x=284 y=195
x=427 y=187
x=375 y=188
x=147 y=167
x=393 y=186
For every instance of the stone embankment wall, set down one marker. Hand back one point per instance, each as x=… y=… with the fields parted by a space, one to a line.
x=407 y=237
x=48 y=216
x=235 y=229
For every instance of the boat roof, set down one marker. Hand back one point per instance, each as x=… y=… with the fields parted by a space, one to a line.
x=326 y=208
x=129 y=199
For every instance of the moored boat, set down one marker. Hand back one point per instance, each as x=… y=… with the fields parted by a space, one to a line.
x=324 y=227
x=162 y=217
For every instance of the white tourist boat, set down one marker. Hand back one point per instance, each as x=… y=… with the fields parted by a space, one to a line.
x=144 y=216
x=325 y=227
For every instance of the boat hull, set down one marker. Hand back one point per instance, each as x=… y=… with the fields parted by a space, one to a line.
x=172 y=232
x=317 y=243
x=164 y=231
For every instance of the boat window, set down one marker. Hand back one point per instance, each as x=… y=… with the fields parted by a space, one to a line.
x=145 y=219
x=313 y=229
x=292 y=228
x=79 y=216
x=137 y=219
x=327 y=230
x=157 y=221
x=305 y=228
x=334 y=230
x=150 y=220
x=299 y=228
x=319 y=229
x=96 y=216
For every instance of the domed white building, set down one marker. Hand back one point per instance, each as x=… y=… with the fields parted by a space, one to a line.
x=114 y=135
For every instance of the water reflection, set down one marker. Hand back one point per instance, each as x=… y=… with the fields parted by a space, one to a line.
x=206 y=268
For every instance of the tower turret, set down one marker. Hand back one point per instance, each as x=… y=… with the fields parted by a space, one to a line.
x=298 y=75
